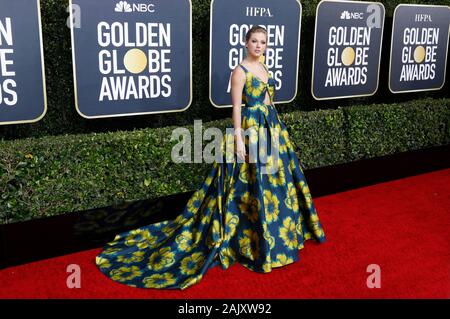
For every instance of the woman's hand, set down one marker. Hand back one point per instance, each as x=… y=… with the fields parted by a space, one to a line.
x=240 y=148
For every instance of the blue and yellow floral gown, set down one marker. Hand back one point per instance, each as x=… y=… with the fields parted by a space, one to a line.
x=239 y=214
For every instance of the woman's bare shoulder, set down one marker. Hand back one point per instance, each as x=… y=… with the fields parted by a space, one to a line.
x=238 y=73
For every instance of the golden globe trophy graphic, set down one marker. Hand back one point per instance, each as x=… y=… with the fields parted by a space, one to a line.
x=419 y=54
x=348 y=56
x=135 y=61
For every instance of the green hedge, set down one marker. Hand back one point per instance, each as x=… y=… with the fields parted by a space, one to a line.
x=61 y=117
x=387 y=129
x=58 y=174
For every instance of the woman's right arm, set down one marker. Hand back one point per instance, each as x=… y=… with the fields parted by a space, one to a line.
x=237 y=85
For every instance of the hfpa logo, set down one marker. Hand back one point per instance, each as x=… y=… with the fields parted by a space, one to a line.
x=123 y=6
x=258 y=12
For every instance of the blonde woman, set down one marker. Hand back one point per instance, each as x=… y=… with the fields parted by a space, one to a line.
x=256 y=210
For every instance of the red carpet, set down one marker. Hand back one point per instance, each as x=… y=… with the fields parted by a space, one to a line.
x=403 y=226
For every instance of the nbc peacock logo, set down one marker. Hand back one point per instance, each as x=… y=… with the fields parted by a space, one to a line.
x=345 y=15
x=123 y=6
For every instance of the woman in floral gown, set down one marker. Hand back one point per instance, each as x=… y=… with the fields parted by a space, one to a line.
x=255 y=209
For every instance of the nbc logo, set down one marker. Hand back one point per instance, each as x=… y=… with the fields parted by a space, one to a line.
x=123 y=6
x=345 y=15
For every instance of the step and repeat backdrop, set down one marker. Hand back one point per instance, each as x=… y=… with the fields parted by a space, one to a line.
x=22 y=78
x=230 y=21
x=419 y=48
x=347 y=49
x=131 y=58
x=135 y=57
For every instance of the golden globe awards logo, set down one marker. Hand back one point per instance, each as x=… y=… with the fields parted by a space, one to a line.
x=8 y=84
x=130 y=57
x=347 y=56
x=274 y=52
x=22 y=73
x=419 y=47
x=419 y=53
x=273 y=56
x=347 y=49
x=228 y=28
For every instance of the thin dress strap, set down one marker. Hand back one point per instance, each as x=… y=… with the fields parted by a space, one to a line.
x=265 y=67
x=245 y=69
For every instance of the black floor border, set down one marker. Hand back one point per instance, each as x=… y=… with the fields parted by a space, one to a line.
x=228 y=308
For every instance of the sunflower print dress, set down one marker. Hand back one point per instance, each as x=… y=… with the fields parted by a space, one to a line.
x=244 y=211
